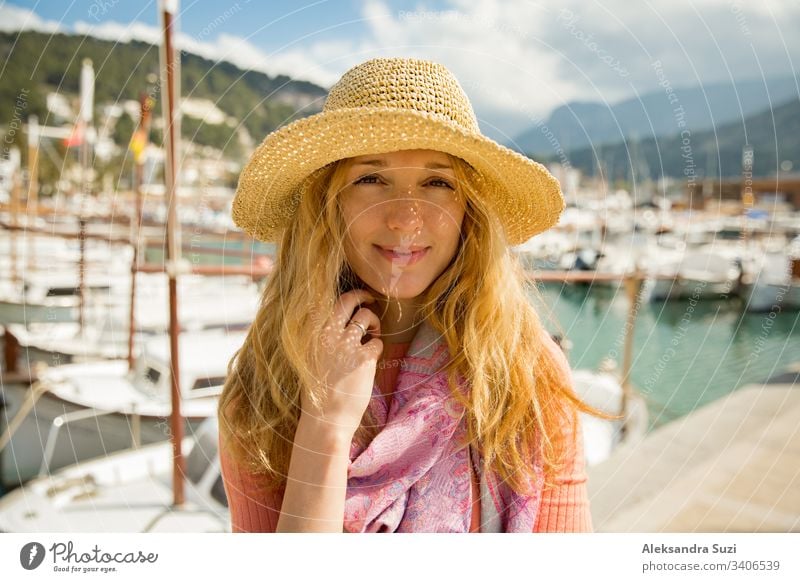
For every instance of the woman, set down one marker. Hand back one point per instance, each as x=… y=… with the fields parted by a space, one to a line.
x=396 y=377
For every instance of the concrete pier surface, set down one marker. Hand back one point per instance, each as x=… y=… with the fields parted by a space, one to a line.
x=730 y=466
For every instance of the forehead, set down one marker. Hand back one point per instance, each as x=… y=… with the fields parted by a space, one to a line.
x=430 y=159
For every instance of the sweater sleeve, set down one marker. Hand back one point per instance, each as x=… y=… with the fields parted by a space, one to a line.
x=565 y=506
x=253 y=506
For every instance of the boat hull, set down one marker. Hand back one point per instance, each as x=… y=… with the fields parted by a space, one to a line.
x=29 y=312
x=21 y=460
x=762 y=297
x=679 y=288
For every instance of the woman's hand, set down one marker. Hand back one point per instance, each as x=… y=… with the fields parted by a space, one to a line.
x=345 y=366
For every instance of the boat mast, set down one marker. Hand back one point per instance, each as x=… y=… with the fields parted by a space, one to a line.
x=171 y=90
x=35 y=133
x=33 y=187
x=14 y=162
x=747 y=189
x=85 y=116
x=138 y=146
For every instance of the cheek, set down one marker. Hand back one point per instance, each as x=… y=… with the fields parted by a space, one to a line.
x=449 y=222
x=352 y=218
x=360 y=226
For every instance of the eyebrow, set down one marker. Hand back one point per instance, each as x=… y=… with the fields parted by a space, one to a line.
x=378 y=163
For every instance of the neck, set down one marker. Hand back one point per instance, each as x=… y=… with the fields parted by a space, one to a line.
x=399 y=319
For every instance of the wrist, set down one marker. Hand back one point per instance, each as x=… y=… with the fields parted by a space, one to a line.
x=323 y=436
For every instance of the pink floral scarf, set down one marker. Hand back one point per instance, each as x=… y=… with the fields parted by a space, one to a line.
x=415 y=474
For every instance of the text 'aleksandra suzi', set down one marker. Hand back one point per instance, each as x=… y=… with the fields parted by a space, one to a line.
x=693 y=549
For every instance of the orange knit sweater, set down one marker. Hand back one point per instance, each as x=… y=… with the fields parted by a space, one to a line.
x=564 y=508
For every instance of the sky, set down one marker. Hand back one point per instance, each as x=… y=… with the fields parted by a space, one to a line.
x=516 y=59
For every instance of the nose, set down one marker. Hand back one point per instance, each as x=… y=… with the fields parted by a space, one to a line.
x=404 y=215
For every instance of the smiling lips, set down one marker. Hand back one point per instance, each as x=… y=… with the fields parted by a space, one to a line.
x=407 y=256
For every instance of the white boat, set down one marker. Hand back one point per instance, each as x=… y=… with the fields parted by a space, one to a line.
x=602 y=390
x=772 y=287
x=79 y=411
x=771 y=280
x=654 y=220
x=206 y=303
x=544 y=250
x=706 y=272
x=37 y=250
x=128 y=491
x=54 y=296
x=611 y=263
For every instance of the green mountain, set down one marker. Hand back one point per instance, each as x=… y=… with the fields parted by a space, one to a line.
x=35 y=64
x=774 y=134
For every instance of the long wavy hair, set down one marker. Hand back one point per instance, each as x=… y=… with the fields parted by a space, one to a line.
x=521 y=403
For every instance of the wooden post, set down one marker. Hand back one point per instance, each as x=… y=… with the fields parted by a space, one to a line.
x=633 y=284
x=170 y=108
x=10 y=352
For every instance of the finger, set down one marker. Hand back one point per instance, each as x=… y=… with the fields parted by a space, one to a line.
x=354 y=333
x=368 y=319
x=369 y=353
x=373 y=348
x=347 y=303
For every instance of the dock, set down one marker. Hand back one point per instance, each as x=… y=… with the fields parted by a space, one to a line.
x=730 y=466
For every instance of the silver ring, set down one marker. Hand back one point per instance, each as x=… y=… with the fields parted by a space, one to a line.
x=361 y=327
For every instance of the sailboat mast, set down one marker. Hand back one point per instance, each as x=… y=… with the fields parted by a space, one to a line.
x=85 y=116
x=32 y=200
x=171 y=91
x=138 y=145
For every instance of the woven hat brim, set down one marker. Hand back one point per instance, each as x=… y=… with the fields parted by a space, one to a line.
x=526 y=197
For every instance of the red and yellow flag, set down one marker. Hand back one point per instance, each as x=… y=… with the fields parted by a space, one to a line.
x=141 y=137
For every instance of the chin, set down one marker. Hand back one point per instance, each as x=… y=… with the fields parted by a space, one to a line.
x=400 y=289
x=401 y=295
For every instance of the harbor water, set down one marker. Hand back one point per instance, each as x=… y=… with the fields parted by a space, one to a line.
x=686 y=353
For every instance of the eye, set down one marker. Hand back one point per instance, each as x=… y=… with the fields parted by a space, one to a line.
x=368 y=179
x=441 y=183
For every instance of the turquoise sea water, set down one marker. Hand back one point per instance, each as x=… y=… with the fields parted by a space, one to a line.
x=686 y=353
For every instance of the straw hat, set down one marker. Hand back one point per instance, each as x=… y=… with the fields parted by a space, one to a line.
x=386 y=105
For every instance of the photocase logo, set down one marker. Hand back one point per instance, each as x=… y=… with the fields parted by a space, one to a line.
x=31 y=555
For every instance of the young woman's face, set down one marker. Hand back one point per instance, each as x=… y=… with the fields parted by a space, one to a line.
x=403 y=213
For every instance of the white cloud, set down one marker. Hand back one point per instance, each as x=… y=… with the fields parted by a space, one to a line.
x=13 y=18
x=519 y=59
x=297 y=63
x=492 y=47
x=118 y=32
x=697 y=41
